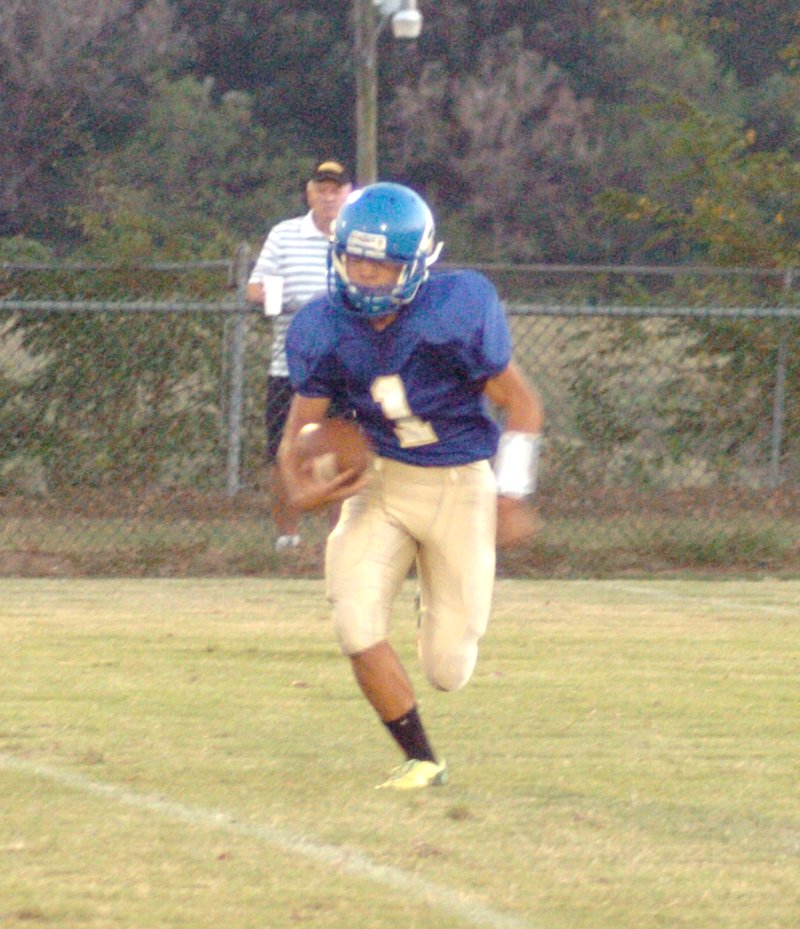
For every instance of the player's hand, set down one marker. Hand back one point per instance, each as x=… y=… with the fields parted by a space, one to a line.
x=517 y=522
x=307 y=494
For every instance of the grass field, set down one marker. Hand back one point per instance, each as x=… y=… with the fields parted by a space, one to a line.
x=192 y=754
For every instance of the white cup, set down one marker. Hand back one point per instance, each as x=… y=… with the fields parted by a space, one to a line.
x=273 y=294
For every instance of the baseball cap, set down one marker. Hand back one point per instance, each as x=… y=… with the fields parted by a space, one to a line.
x=331 y=171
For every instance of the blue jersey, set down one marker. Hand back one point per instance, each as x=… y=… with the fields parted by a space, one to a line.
x=417 y=386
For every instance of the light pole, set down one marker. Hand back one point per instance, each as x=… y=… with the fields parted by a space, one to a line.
x=370 y=16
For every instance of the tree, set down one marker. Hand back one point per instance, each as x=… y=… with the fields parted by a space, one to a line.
x=198 y=175
x=757 y=38
x=658 y=73
x=293 y=59
x=503 y=149
x=754 y=38
x=74 y=77
x=774 y=113
x=727 y=203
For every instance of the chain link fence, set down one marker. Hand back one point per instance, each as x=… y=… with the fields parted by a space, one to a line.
x=132 y=432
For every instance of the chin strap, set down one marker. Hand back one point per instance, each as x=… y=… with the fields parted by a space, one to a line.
x=434 y=254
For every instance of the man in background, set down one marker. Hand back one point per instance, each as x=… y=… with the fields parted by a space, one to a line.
x=291 y=269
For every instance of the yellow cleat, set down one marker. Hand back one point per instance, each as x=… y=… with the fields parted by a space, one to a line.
x=415 y=774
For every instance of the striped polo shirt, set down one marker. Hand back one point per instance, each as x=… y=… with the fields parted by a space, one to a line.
x=297 y=251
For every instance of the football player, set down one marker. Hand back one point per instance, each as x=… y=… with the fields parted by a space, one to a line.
x=420 y=357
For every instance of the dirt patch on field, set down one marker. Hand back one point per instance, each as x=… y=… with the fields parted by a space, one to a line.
x=32 y=564
x=586 y=532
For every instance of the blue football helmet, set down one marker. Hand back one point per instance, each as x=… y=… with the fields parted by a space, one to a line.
x=383 y=222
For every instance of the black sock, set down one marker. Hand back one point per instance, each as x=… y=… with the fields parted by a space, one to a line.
x=410 y=736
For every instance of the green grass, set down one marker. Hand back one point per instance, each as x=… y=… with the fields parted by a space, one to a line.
x=192 y=754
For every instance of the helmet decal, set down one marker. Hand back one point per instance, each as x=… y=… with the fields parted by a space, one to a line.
x=366 y=244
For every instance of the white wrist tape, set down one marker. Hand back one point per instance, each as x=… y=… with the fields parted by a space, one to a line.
x=516 y=464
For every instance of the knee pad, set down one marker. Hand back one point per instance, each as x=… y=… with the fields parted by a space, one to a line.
x=451 y=670
x=358 y=627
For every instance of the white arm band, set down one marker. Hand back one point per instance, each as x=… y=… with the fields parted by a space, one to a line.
x=516 y=464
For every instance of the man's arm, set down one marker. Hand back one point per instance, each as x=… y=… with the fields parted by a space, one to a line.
x=266 y=263
x=255 y=292
x=303 y=491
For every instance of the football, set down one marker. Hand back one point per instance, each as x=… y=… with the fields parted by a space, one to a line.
x=332 y=446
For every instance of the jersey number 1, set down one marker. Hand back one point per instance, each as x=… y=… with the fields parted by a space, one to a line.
x=411 y=431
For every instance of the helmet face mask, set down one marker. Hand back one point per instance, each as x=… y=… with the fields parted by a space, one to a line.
x=382 y=222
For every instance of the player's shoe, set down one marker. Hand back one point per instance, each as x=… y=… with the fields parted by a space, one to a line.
x=415 y=774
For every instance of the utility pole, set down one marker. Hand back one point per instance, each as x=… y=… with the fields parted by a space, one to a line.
x=366 y=25
x=369 y=18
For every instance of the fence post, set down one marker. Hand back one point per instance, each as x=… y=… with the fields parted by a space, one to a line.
x=235 y=403
x=779 y=403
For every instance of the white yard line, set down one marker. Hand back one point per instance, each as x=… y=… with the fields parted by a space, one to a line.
x=337 y=858
x=659 y=593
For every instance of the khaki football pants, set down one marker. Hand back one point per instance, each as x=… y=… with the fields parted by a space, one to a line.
x=444 y=518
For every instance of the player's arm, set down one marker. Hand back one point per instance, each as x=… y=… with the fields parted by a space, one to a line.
x=303 y=491
x=511 y=392
x=517 y=458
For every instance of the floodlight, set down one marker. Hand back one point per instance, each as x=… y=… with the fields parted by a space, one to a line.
x=407 y=22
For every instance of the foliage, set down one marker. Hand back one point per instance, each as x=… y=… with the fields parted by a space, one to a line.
x=756 y=38
x=640 y=131
x=679 y=402
x=295 y=60
x=513 y=124
x=773 y=112
x=75 y=75
x=108 y=399
x=651 y=63
x=653 y=68
x=511 y=115
x=725 y=203
x=224 y=180
x=132 y=399
x=151 y=405
x=22 y=249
